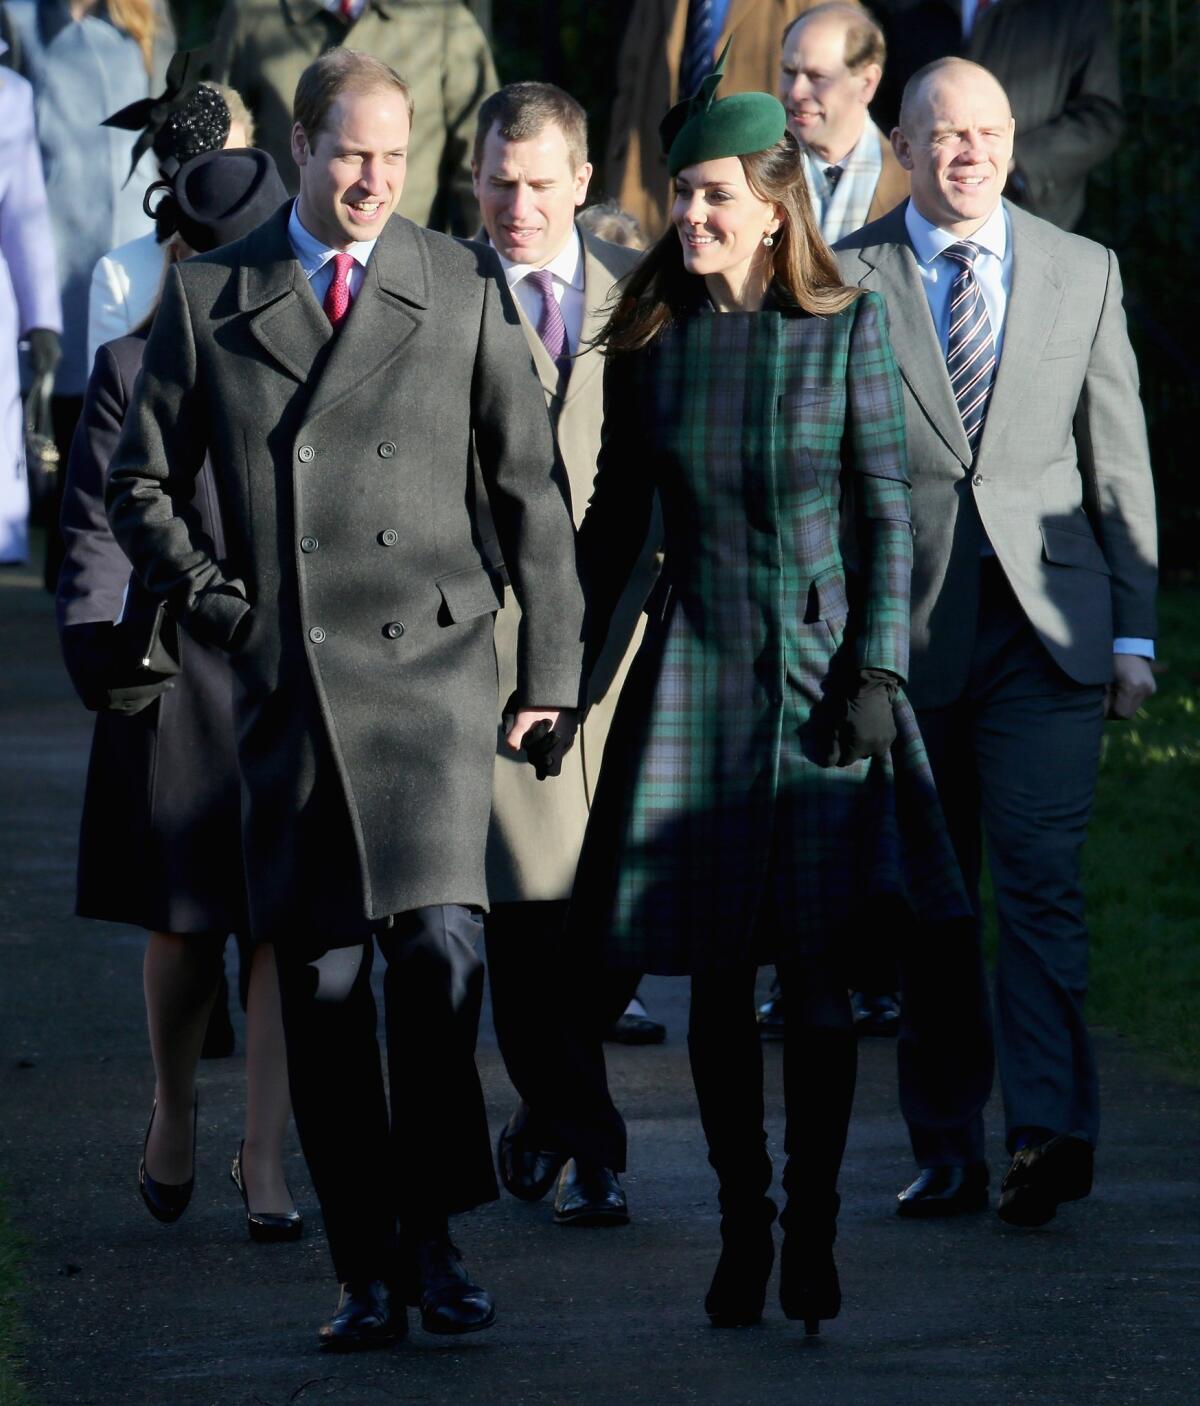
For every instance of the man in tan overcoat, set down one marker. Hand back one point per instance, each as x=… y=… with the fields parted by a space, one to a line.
x=531 y=176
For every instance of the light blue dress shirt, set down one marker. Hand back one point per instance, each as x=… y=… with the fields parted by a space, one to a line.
x=316 y=258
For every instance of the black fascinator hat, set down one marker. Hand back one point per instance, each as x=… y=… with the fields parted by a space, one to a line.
x=218 y=197
x=187 y=118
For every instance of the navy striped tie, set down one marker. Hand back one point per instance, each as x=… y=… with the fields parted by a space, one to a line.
x=970 y=348
x=699 y=44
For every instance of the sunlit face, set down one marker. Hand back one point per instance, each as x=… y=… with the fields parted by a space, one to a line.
x=957 y=148
x=352 y=173
x=528 y=193
x=826 y=102
x=720 y=220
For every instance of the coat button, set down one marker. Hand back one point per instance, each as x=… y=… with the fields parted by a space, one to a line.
x=387 y=449
x=393 y=629
x=306 y=453
x=309 y=544
x=317 y=635
x=389 y=537
x=977 y=480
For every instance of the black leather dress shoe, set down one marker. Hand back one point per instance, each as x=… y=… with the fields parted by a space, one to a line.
x=770 y=1015
x=266 y=1227
x=1042 y=1177
x=589 y=1195
x=526 y=1171
x=438 y=1285
x=875 y=1015
x=365 y=1317
x=166 y=1201
x=945 y=1191
x=636 y=1027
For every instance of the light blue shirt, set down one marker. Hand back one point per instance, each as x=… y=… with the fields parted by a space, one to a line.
x=316 y=258
x=969 y=9
x=993 y=268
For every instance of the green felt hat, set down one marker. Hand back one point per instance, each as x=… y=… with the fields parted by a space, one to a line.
x=702 y=128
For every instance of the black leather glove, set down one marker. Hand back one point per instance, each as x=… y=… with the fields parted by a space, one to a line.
x=45 y=352
x=545 y=749
x=863 y=724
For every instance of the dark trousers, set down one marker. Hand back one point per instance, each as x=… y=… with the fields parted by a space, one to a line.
x=820 y=1061
x=550 y=1012
x=1015 y=758
x=432 y=1157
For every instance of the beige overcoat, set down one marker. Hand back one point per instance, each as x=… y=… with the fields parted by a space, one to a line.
x=537 y=826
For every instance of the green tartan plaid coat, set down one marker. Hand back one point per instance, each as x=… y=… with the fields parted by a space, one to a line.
x=776 y=442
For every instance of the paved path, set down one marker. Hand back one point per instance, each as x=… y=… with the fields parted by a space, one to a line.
x=1098 y=1309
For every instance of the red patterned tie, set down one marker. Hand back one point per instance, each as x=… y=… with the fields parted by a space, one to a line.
x=337 y=299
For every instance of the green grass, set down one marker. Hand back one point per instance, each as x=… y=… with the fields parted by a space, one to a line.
x=12 y=1392
x=1142 y=860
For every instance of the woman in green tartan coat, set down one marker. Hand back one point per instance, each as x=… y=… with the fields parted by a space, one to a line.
x=763 y=775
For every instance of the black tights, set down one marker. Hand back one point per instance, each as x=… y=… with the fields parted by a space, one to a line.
x=820 y=1061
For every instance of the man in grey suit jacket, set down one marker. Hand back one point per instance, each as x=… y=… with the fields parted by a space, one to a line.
x=363 y=390
x=1033 y=615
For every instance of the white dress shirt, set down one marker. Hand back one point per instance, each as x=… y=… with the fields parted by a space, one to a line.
x=316 y=258
x=567 y=268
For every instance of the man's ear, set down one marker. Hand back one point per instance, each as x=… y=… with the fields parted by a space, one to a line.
x=583 y=178
x=871 y=76
x=901 y=147
x=300 y=147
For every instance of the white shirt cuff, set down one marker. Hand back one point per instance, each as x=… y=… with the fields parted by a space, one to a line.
x=1129 y=645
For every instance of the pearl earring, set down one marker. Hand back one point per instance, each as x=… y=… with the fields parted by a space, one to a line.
x=767 y=240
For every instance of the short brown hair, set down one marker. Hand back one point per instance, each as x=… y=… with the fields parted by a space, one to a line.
x=864 y=39
x=522 y=110
x=334 y=73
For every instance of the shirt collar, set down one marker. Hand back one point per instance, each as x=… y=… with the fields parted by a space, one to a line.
x=312 y=254
x=566 y=265
x=928 y=240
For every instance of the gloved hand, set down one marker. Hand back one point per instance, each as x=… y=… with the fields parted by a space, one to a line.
x=863 y=724
x=45 y=352
x=545 y=749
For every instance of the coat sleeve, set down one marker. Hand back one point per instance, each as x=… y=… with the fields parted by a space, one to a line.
x=1089 y=127
x=26 y=235
x=468 y=78
x=1114 y=459
x=153 y=482
x=875 y=448
x=530 y=504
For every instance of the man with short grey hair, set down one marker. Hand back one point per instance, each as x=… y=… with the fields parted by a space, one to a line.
x=1033 y=619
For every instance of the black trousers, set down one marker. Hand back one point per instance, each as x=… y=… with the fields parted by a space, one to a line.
x=820 y=1063
x=551 y=1009
x=432 y=1156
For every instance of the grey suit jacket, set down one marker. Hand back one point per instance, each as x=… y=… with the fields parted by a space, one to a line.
x=1061 y=484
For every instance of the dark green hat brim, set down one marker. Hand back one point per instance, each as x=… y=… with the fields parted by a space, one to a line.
x=733 y=126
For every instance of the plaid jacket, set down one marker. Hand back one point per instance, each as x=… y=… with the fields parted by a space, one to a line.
x=776 y=442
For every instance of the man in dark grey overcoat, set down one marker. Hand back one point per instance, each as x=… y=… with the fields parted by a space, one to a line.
x=379 y=442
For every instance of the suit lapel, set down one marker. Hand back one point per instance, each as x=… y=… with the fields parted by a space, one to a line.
x=598 y=283
x=542 y=360
x=387 y=312
x=287 y=321
x=1033 y=303
x=892 y=271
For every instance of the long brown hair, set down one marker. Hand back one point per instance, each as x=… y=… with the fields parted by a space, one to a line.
x=137 y=19
x=804 y=270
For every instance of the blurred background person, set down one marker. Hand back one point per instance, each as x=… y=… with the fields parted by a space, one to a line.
x=29 y=303
x=832 y=60
x=160 y=839
x=84 y=58
x=190 y=117
x=1056 y=60
x=668 y=47
x=607 y=221
x=263 y=46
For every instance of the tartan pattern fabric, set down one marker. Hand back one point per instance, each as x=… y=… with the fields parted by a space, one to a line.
x=772 y=438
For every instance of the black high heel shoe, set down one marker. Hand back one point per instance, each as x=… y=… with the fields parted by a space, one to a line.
x=808 y=1277
x=266 y=1227
x=739 y=1286
x=164 y=1201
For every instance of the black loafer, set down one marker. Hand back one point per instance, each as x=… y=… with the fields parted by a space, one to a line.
x=589 y=1195
x=266 y=1227
x=526 y=1172
x=439 y=1287
x=365 y=1318
x=633 y=1029
x=945 y=1191
x=1042 y=1177
x=875 y=1015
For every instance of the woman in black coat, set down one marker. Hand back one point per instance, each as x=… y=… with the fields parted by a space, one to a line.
x=160 y=839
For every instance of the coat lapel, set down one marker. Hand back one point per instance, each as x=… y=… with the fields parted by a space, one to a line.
x=387 y=312
x=287 y=321
x=1033 y=303
x=598 y=284
x=892 y=271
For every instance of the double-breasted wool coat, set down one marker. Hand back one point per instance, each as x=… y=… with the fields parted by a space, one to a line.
x=776 y=443
x=537 y=826
x=160 y=840
x=357 y=594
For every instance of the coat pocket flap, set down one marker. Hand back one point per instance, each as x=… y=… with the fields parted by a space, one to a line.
x=1067 y=346
x=466 y=594
x=1067 y=548
x=827 y=597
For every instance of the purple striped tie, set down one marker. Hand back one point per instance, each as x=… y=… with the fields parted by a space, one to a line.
x=551 y=327
x=970 y=348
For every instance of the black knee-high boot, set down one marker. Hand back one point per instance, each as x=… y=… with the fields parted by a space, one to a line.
x=726 y=1058
x=820 y=1067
